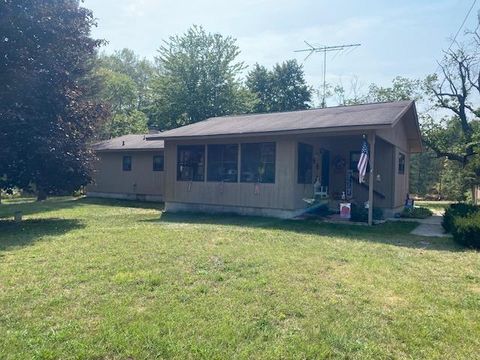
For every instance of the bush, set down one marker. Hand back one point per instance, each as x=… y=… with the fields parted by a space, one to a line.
x=466 y=230
x=457 y=210
x=416 y=213
x=360 y=214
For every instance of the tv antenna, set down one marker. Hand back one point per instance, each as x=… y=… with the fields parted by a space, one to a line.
x=316 y=49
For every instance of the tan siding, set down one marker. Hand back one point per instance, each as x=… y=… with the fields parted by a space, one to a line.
x=274 y=196
x=396 y=136
x=110 y=178
x=401 y=180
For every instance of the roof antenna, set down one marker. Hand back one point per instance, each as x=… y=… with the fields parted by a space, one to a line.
x=313 y=49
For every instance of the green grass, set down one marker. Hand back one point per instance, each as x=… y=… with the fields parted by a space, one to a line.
x=116 y=280
x=435 y=206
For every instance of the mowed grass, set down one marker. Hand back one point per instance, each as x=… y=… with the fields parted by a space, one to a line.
x=93 y=279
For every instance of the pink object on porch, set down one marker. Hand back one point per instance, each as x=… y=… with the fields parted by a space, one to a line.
x=345 y=210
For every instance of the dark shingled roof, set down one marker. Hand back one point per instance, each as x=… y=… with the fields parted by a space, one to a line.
x=374 y=115
x=128 y=142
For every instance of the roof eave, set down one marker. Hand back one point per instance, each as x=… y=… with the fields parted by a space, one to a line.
x=358 y=128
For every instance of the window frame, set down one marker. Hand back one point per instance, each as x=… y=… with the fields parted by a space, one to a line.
x=129 y=167
x=181 y=148
x=243 y=167
x=303 y=178
x=221 y=162
x=402 y=159
x=162 y=167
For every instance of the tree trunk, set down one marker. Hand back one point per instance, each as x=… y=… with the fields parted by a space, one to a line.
x=42 y=195
x=473 y=189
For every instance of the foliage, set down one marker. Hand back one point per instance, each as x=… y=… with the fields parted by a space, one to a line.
x=453 y=183
x=401 y=89
x=198 y=79
x=122 y=123
x=458 y=210
x=416 y=213
x=466 y=230
x=139 y=71
x=425 y=174
x=456 y=91
x=282 y=89
x=360 y=213
x=48 y=111
x=126 y=88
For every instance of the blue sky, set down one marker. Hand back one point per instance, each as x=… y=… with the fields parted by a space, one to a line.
x=398 y=37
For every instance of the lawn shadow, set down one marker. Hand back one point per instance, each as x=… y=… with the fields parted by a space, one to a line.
x=29 y=231
x=28 y=206
x=393 y=233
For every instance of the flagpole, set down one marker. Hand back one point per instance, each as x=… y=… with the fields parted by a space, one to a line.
x=370 y=179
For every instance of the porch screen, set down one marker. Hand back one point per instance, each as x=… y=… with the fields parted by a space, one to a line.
x=190 y=162
x=305 y=163
x=258 y=163
x=222 y=164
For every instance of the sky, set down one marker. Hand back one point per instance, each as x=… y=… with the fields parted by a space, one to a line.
x=398 y=38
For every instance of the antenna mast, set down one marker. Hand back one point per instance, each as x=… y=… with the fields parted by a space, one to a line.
x=315 y=49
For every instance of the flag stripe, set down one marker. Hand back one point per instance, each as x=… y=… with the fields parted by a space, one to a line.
x=363 y=162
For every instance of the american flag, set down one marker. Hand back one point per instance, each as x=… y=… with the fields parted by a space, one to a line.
x=363 y=162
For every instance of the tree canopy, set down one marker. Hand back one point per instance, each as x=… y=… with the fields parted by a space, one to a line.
x=282 y=89
x=47 y=113
x=198 y=78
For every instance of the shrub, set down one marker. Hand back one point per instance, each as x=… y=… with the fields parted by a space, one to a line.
x=457 y=210
x=416 y=213
x=360 y=214
x=466 y=230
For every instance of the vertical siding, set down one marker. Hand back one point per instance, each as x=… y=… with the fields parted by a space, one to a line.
x=274 y=196
x=401 y=180
x=110 y=178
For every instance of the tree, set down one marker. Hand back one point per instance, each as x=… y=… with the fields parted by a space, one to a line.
x=401 y=89
x=198 y=78
x=139 y=71
x=47 y=113
x=125 y=86
x=282 y=89
x=457 y=137
x=121 y=123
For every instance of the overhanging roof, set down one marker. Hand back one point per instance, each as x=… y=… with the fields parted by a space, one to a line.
x=340 y=118
x=129 y=142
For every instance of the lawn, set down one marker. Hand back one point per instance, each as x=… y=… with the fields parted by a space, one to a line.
x=91 y=279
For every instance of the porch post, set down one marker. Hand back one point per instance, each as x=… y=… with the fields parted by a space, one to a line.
x=371 y=140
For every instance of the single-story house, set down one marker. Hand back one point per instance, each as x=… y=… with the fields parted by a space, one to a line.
x=128 y=167
x=274 y=164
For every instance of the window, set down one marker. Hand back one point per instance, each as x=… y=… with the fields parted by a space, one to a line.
x=127 y=163
x=401 y=163
x=191 y=163
x=222 y=163
x=258 y=163
x=354 y=159
x=305 y=163
x=158 y=163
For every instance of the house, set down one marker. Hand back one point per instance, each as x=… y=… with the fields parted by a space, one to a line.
x=128 y=167
x=274 y=164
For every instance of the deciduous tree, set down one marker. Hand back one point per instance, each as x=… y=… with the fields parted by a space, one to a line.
x=198 y=78
x=47 y=112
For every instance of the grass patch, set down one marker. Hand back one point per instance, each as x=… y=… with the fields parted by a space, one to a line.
x=106 y=279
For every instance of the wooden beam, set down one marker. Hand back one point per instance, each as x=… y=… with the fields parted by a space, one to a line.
x=371 y=140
